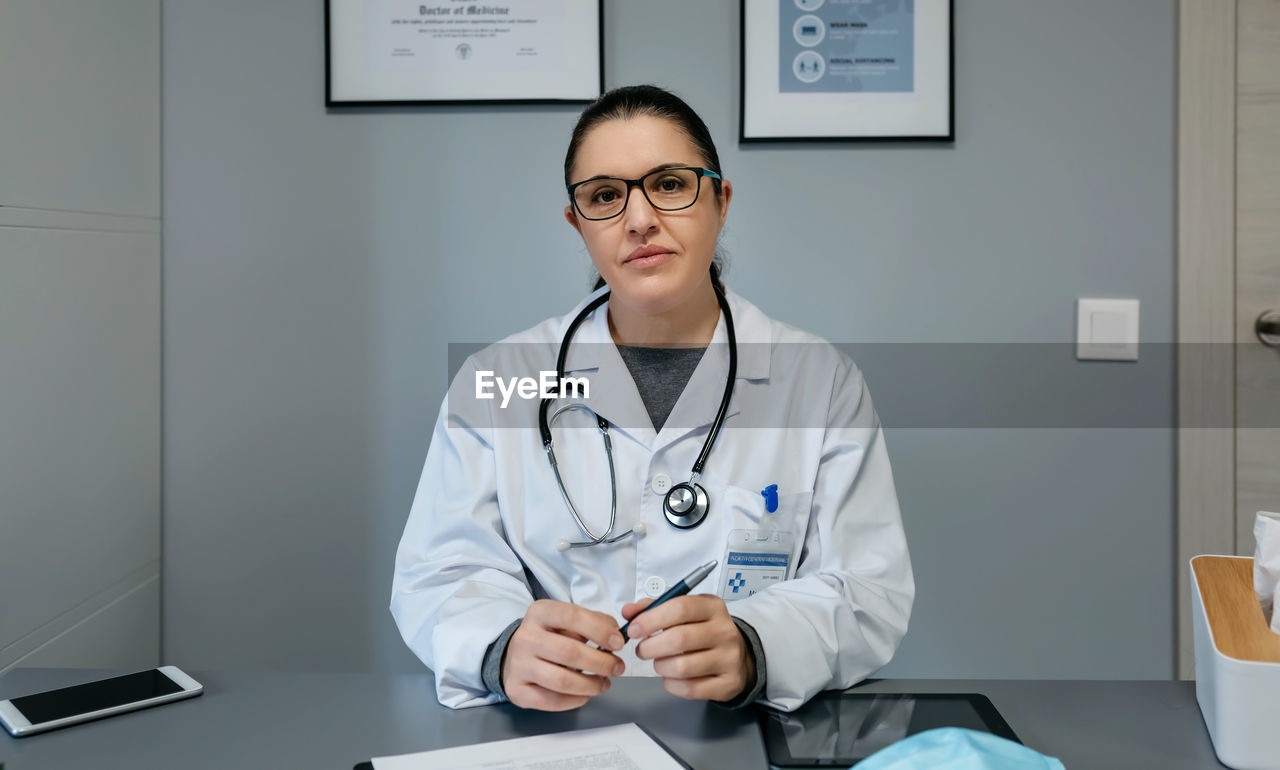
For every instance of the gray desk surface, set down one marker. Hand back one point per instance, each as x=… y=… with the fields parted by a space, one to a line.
x=330 y=720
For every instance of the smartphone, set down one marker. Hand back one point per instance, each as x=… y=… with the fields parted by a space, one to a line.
x=50 y=710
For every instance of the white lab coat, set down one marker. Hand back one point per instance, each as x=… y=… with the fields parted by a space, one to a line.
x=480 y=542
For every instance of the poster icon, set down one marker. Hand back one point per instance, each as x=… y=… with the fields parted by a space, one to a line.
x=808 y=67
x=809 y=30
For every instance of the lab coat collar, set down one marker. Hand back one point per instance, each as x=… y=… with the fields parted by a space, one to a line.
x=750 y=326
x=613 y=391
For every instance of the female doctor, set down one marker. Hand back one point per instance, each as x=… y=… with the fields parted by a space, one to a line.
x=519 y=560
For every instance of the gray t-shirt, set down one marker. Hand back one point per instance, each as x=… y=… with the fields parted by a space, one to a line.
x=660 y=375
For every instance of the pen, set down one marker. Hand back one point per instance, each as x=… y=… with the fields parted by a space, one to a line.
x=679 y=589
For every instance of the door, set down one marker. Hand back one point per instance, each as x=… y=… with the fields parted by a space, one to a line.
x=1228 y=276
x=1257 y=263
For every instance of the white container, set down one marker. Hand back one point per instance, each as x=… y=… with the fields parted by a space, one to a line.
x=1237 y=664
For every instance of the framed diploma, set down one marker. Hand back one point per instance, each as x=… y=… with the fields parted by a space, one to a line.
x=382 y=52
x=862 y=70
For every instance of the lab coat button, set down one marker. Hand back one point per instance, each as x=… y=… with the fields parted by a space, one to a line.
x=661 y=484
x=654 y=586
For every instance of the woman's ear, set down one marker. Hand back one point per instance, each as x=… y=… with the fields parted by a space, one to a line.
x=726 y=194
x=571 y=217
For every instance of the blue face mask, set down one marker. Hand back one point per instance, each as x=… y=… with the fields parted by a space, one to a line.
x=952 y=748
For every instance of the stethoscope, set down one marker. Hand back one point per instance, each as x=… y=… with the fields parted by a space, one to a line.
x=685 y=505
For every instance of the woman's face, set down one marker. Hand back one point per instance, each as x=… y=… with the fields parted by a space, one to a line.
x=685 y=239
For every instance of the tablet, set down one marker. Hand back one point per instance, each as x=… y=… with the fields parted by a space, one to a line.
x=838 y=729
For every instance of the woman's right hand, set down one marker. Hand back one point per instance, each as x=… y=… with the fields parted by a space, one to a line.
x=547 y=660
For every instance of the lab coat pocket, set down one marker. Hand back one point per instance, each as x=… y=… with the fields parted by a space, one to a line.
x=784 y=528
x=792 y=517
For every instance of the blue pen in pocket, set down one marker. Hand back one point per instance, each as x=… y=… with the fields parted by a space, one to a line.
x=770 y=495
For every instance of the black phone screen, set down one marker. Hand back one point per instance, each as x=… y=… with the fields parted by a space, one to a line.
x=95 y=696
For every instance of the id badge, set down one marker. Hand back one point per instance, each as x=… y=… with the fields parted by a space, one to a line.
x=753 y=561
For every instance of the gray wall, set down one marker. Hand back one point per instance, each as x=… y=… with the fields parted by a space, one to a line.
x=318 y=264
x=80 y=333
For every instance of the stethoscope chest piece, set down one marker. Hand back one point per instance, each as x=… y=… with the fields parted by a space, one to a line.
x=685 y=505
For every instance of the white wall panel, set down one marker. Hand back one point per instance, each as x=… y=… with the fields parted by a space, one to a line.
x=80 y=121
x=80 y=410
x=121 y=634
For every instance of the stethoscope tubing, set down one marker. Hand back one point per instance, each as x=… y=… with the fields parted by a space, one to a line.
x=728 y=385
x=613 y=486
x=544 y=429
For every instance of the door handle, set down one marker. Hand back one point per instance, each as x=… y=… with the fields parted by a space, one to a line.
x=1267 y=328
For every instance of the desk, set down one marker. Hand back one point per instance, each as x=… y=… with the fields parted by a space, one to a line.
x=330 y=720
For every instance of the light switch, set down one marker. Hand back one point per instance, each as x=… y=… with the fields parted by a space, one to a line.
x=1107 y=329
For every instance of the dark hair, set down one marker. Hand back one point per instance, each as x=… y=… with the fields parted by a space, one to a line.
x=634 y=101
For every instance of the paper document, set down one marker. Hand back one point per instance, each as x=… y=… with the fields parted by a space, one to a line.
x=621 y=747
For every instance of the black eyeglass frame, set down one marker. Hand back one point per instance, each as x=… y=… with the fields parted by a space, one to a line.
x=638 y=183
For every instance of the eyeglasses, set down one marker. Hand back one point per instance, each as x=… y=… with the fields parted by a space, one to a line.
x=667 y=189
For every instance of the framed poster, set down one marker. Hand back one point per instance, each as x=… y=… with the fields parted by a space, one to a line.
x=863 y=70
x=380 y=52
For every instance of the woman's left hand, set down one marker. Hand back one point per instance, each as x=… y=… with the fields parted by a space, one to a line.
x=700 y=653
